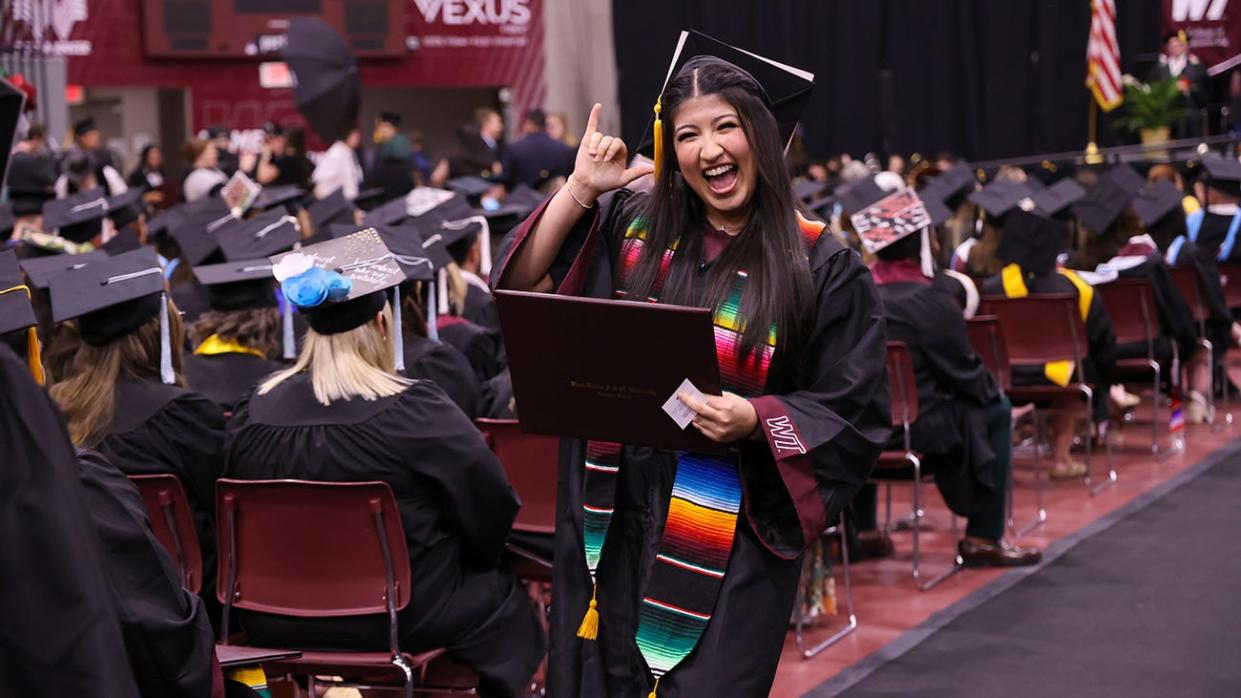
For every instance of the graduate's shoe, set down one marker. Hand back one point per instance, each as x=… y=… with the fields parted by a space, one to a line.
x=1067 y=471
x=978 y=553
x=874 y=545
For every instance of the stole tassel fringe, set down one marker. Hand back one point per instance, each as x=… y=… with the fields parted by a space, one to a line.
x=654 y=688
x=658 y=134
x=589 y=629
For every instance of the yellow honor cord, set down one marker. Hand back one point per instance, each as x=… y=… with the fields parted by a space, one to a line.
x=659 y=138
x=589 y=629
x=654 y=688
x=34 y=357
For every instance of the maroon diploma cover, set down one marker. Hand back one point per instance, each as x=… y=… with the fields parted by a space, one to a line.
x=600 y=369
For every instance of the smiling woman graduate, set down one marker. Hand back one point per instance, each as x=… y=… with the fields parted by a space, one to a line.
x=663 y=584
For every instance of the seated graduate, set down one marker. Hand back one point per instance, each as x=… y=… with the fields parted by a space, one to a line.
x=193 y=243
x=1118 y=247
x=342 y=414
x=238 y=341
x=1028 y=250
x=964 y=426
x=95 y=571
x=799 y=333
x=123 y=394
x=1161 y=208
x=953 y=187
x=976 y=256
x=469 y=246
x=1215 y=228
x=419 y=353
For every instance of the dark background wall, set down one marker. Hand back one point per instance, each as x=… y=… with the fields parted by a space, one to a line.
x=984 y=78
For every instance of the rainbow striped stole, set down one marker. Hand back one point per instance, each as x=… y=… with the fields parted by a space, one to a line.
x=693 y=556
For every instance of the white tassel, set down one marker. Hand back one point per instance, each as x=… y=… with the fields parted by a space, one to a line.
x=286 y=321
x=433 y=330
x=928 y=264
x=443 y=292
x=165 y=344
x=398 y=342
x=485 y=236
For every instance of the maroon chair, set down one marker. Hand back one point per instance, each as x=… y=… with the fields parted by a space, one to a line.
x=1186 y=280
x=1230 y=276
x=905 y=464
x=1131 y=305
x=173 y=524
x=1042 y=329
x=324 y=549
x=531 y=463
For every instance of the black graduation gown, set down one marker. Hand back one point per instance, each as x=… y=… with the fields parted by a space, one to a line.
x=483 y=348
x=1219 y=317
x=1175 y=320
x=443 y=365
x=60 y=634
x=1213 y=232
x=835 y=399
x=480 y=309
x=497 y=398
x=456 y=508
x=1100 y=361
x=226 y=378
x=954 y=389
x=167 y=429
x=166 y=629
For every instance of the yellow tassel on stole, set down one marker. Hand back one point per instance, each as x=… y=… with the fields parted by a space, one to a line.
x=589 y=629
x=653 y=689
x=659 y=138
x=33 y=358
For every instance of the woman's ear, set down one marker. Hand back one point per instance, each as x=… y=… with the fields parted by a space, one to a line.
x=383 y=324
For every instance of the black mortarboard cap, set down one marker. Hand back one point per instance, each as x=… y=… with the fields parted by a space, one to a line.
x=1126 y=178
x=244 y=284
x=859 y=195
x=277 y=195
x=262 y=236
x=519 y=203
x=78 y=217
x=1102 y=204
x=404 y=242
x=1156 y=201
x=84 y=125
x=471 y=186
x=163 y=222
x=958 y=179
x=1059 y=196
x=361 y=258
x=16 y=310
x=334 y=208
x=1001 y=196
x=460 y=237
x=125 y=240
x=110 y=297
x=125 y=208
x=785 y=89
x=1031 y=241
x=12 y=101
x=389 y=213
x=196 y=232
x=369 y=198
x=40 y=270
x=30 y=180
x=1223 y=174
x=807 y=190
x=7 y=219
x=935 y=207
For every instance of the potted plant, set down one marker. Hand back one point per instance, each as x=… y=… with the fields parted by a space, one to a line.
x=1151 y=109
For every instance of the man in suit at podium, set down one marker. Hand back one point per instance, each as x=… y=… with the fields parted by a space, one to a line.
x=1177 y=63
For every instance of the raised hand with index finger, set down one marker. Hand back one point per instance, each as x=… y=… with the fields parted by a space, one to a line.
x=602 y=162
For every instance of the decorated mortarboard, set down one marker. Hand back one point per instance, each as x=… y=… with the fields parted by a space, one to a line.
x=264 y=235
x=1223 y=174
x=17 y=310
x=270 y=197
x=1031 y=241
x=1105 y=201
x=195 y=232
x=113 y=297
x=339 y=284
x=1059 y=196
x=77 y=217
x=890 y=220
x=240 y=192
x=1156 y=201
x=1001 y=196
x=125 y=240
x=334 y=208
x=785 y=90
x=1127 y=178
x=405 y=244
x=125 y=208
x=40 y=270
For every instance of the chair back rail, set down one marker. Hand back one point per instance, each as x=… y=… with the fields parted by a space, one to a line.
x=1041 y=329
x=1131 y=305
x=987 y=338
x=531 y=463
x=168 y=507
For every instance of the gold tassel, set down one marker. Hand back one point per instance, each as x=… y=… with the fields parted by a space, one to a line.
x=589 y=629
x=33 y=357
x=653 y=689
x=659 y=138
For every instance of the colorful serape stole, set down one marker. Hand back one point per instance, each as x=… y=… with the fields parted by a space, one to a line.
x=1013 y=280
x=698 y=534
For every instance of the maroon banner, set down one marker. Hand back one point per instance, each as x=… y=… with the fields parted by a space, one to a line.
x=1213 y=27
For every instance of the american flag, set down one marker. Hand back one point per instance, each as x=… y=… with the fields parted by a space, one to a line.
x=1103 y=55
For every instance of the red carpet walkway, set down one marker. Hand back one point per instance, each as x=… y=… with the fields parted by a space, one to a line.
x=887 y=600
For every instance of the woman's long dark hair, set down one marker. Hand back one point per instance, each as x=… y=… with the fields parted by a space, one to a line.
x=770 y=248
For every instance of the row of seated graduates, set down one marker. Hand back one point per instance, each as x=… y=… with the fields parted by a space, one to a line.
x=1028 y=237
x=241 y=333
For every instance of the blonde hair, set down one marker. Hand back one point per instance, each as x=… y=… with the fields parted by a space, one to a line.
x=457 y=288
x=358 y=363
x=87 y=394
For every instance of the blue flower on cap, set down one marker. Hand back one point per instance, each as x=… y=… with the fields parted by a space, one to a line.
x=338 y=286
x=316 y=286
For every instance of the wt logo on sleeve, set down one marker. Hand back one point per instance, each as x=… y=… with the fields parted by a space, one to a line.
x=784 y=435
